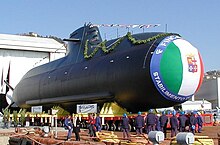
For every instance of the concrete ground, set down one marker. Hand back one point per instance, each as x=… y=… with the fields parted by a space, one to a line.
x=6 y=133
x=210 y=131
x=4 y=140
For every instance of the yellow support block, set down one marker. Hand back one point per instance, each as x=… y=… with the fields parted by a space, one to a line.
x=199 y=140
x=112 y=109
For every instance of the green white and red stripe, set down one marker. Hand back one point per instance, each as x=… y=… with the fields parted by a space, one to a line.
x=176 y=69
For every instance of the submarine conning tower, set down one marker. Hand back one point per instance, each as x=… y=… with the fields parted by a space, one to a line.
x=78 y=38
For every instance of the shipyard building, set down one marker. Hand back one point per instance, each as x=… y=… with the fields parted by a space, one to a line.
x=18 y=54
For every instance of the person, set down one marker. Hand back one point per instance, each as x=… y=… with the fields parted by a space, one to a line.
x=5 y=119
x=199 y=122
x=27 y=120
x=139 y=124
x=187 y=128
x=92 y=128
x=182 y=121
x=163 y=123
x=192 y=122
x=174 y=124
x=98 y=123
x=69 y=126
x=125 y=126
x=150 y=121
x=157 y=122
x=77 y=129
x=215 y=117
x=145 y=122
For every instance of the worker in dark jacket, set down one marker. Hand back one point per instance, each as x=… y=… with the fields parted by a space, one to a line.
x=192 y=122
x=151 y=121
x=182 y=121
x=157 y=122
x=199 y=122
x=69 y=126
x=77 y=129
x=125 y=126
x=98 y=123
x=139 y=124
x=145 y=123
x=174 y=124
x=163 y=123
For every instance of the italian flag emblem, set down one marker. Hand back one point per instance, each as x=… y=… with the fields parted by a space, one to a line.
x=177 y=71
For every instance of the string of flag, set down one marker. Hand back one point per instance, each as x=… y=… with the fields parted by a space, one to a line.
x=127 y=25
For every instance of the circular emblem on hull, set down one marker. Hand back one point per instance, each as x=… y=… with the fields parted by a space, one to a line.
x=176 y=69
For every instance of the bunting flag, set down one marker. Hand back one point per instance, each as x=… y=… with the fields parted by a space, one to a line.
x=126 y=25
x=8 y=76
x=5 y=76
x=2 y=82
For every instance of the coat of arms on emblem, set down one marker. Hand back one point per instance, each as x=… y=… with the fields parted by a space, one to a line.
x=192 y=63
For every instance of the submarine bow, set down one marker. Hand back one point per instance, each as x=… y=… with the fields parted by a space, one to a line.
x=140 y=71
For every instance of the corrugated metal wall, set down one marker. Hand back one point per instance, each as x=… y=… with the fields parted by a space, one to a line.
x=209 y=92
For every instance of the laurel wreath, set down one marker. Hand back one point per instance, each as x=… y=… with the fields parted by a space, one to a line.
x=133 y=40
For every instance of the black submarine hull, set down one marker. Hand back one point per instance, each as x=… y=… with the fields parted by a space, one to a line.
x=124 y=76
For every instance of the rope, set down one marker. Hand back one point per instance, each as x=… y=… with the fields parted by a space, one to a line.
x=48 y=55
x=81 y=44
x=145 y=58
x=35 y=141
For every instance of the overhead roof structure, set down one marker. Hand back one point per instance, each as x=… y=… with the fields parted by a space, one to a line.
x=17 y=50
x=29 y=43
x=196 y=105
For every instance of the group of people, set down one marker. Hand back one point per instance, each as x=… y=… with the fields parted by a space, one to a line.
x=72 y=125
x=150 y=122
x=179 y=122
x=185 y=122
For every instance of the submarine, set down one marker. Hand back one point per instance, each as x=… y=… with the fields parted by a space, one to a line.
x=137 y=71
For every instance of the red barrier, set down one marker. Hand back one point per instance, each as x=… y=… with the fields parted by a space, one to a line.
x=207 y=119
